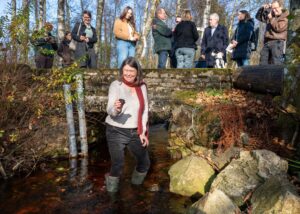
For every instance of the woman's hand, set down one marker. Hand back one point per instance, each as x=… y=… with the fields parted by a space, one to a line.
x=118 y=106
x=144 y=140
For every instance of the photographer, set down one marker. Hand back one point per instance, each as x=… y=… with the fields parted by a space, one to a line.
x=86 y=37
x=276 y=32
x=45 y=46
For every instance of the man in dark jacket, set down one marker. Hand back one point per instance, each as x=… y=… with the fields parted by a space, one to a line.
x=276 y=32
x=162 y=35
x=215 y=40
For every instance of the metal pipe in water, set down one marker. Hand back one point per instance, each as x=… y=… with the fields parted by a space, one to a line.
x=81 y=115
x=70 y=121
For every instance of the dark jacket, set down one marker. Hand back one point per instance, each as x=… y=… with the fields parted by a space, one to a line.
x=242 y=35
x=44 y=44
x=162 y=36
x=277 y=27
x=186 y=35
x=65 y=52
x=76 y=37
x=217 y=43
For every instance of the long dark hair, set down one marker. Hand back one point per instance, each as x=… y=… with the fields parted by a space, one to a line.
x=123 y=15
x=132 y=62
x=246 y=13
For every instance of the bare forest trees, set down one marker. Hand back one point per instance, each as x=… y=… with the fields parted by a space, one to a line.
x=68 y=16
x=99 y=18
x=42 y=13
x=61 y=19
x=147 y=21
x=24 y=52
x=206 y=14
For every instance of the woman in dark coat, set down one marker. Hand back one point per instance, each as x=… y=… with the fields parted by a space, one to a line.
x=64 y=50
x=86 y=37
x=185 y=37
x=241 y=42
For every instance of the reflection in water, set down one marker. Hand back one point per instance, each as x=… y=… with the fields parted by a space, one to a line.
x=76 y=186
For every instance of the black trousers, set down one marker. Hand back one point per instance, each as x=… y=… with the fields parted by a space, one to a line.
x=118 y=139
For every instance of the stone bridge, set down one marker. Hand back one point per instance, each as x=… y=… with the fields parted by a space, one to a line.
x=162 y=86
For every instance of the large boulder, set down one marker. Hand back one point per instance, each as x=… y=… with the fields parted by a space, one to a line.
x=190 y=176
x=215 y=202
x=243 y=175
x=276 y=195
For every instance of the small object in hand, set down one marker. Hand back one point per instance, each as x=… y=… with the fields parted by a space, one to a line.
x=122 y=101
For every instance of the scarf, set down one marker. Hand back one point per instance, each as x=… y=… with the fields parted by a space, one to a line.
x=140 y=96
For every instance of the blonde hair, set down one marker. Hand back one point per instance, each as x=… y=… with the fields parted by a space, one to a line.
x=186 y=15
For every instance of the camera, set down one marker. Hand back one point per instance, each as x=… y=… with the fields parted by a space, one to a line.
x=266 y=12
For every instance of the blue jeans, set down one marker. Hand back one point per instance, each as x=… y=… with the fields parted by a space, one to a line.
x=117 y=140
x=162 y=59
x=242 y=62
x=185 y=57
x=124 y=50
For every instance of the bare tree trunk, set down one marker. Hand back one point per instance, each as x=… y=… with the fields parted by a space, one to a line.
x=206 y=14
x=233 y=14
x=24 y=52
x=99 y=18
x=82 y=5
x=13 y=37
x=36 y=13
x=60 y=19
x=14 y=7
x=148 y=17
x=42 y=12
x=179 y=7
x=68 y=16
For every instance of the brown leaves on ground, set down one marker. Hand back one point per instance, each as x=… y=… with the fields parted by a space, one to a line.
x=245 y=112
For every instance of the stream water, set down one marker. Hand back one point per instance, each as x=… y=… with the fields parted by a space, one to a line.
x=76 y=186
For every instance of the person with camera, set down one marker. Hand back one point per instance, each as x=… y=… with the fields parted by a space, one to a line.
x=276 y=32
x=126 y=35
x=85 y=36
x=45 y=46
x=126 y=124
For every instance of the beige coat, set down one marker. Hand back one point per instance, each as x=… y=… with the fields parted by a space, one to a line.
x=121 y=30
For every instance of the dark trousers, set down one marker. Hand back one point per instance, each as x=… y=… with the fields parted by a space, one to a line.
x=43 y=61
x=272 y=53
x=162 y=59
x=118 y=139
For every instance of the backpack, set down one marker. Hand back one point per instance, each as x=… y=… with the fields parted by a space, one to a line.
x=254 y=39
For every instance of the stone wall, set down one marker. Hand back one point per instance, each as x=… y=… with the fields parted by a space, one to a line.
x=162 y=84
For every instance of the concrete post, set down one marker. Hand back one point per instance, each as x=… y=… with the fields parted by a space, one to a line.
x=70 y=121
x=81 y=115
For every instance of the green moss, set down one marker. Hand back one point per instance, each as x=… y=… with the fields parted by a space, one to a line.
x=214 y=92
x=188 y=97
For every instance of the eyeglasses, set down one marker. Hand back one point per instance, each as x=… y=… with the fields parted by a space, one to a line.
x=86 y=17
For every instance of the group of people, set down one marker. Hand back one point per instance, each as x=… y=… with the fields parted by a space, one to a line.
x=178 y=43
x=127 y=108
x=181 y=42
x=83 y=36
